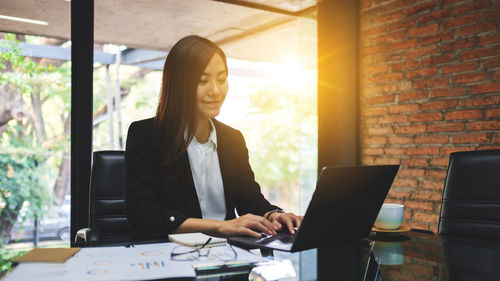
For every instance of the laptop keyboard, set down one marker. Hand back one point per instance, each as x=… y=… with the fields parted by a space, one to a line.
x=283 y=237
x=287 y=238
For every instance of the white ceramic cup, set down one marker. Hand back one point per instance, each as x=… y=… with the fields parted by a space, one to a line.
x=390 y=216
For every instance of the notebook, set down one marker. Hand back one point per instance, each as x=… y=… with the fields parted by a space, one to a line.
x=196 y=239
x=343 y=207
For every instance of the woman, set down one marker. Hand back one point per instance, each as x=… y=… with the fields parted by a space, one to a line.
x=186 y=171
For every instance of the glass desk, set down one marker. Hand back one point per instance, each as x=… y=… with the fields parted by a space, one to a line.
x=411 y=256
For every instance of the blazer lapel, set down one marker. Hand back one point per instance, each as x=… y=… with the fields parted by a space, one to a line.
x=187 y=185
x=224 y=162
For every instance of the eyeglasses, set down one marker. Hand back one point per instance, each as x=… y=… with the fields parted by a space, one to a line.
x=217 y=253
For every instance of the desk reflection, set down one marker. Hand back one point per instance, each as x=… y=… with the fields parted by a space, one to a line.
x=413 y=256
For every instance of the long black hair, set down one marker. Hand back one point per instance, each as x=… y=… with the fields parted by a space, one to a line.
x=176 y=111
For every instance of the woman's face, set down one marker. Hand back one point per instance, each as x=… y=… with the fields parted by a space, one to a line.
x=212 y=88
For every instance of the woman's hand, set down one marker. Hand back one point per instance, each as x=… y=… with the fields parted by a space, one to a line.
x=247 y=225
x=287 y=219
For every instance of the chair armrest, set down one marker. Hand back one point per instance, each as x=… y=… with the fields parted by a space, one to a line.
x=87 y=235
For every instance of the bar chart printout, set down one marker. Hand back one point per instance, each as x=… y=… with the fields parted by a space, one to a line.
x=148 y=265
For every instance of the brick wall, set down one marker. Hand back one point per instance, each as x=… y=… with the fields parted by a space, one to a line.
x=430 y=85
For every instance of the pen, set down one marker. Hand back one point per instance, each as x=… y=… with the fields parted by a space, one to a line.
x=206 y=243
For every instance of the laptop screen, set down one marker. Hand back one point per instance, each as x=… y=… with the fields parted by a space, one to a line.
x=343 y=208
x=344 y=205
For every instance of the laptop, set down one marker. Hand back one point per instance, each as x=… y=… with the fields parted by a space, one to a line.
x=343 y=208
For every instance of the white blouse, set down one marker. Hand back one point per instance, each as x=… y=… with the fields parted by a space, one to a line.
x=207 y=177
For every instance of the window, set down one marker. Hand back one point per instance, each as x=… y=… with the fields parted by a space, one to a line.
x=272 y=84
x=34 y=144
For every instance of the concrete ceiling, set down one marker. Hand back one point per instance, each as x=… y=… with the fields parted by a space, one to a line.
x=243 y=32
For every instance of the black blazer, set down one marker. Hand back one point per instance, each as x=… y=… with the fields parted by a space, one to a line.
x=158 y=199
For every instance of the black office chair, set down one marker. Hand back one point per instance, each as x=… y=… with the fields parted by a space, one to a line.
x=471 y=196
x=471 y=259
x=108 y=223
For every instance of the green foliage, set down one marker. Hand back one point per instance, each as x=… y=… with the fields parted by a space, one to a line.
x=10 y=53
x=24 y=70
x=53 y=84
x=23 y=181
x=27 y=166
x=6 y=256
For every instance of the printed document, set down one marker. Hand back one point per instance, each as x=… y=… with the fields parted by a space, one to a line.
x=142 y=262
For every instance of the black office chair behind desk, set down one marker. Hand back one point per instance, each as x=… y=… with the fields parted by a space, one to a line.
x=470 y=215
x=471 y=196
x=108 y=223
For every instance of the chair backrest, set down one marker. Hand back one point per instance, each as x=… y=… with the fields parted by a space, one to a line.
x=471 y=196
x=107 y=200
x=469 y=259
